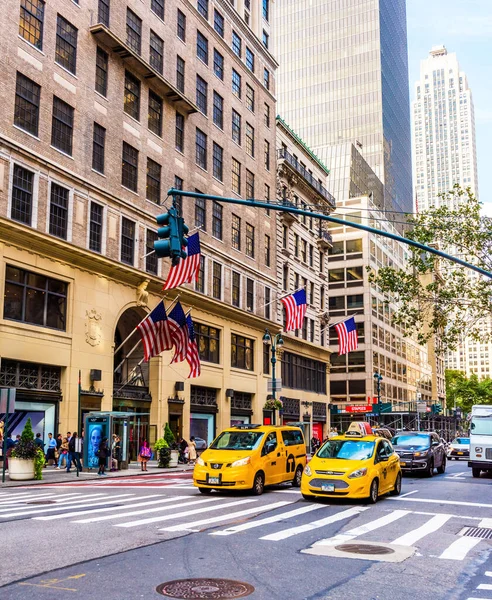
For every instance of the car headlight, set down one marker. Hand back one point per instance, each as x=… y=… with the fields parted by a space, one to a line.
x=478 y=449
x=358 y=473
x=200 y=461
x=241 y=462
x=421 y=454
x=308 y=471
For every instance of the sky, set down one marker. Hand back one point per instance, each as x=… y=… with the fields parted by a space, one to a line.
x=464 y=27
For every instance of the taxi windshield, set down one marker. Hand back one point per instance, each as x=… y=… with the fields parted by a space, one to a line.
x=412 y=440
x=347 y=450
x=461 y=441
x=237 y=440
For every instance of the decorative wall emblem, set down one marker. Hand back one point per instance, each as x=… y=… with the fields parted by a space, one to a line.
x=93 y=328
x=142 y=293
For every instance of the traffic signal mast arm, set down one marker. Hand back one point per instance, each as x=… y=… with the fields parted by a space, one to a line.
x=298 y=211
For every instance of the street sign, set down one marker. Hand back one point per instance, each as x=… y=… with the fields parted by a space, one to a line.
x=421 y=407
x=419 y=396
x=358 y=408
x=278 y=385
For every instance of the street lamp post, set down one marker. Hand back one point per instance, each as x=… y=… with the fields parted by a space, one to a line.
x=275 y=341
x=309 y=415
x=378 y=377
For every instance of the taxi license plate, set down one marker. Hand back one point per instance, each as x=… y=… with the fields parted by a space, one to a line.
x=460 y=453
x=213 y=480
x=403 y=464
x=328 y=487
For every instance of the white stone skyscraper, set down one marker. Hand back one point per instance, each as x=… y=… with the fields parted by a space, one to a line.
x=443 y=128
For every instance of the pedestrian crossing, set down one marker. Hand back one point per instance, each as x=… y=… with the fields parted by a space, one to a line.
x=225 y=516
x=136 y=481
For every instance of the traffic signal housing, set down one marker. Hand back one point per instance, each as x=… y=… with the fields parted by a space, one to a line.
x=171 y=236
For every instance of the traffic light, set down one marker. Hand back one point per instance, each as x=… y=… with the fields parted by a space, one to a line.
x=170 y=234
x=436 y=409
x=182 y=232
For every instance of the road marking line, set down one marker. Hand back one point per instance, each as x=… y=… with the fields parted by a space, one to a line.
x=97 y=510
x=286 y=491
x=34 y=498
x=450 y=477
x=408 y=493
x=484 y=586
x=187 y=512
x=97 y=501
x=228 y=517
x=67 y=498
x=460 y=548
x=432 y=514
x=414 y=536
x=488 y=573
x=432 y=501
x=479 y=599
x=268 y=520
x=487 y=523
x=15 y=496
x=286 y=533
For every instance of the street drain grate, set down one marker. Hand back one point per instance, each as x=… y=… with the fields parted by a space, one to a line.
x=205 y=589
x=364 y=549
x=477 y=532
x=41 y=502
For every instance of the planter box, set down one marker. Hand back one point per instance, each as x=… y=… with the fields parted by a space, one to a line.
x=21 y=469
x=174 y=458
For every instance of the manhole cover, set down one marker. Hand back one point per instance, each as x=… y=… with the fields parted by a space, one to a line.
x=207 y=589
x=41 y=502
x=364 y=549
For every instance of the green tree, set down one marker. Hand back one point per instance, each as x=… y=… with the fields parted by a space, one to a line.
x=435 y=296
x=27 y=433
x=169 y=436
x=464 y=391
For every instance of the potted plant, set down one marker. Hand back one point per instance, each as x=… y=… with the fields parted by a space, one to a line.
x=163 y=452
x=272 y=404
x=26 y=460
x=171 y=442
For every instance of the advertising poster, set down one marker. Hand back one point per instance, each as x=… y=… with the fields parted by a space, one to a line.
x=96 y=429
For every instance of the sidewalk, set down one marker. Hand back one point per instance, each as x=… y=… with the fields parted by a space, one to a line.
x=50 y=475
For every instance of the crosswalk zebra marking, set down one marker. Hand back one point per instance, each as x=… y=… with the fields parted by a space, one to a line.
x=18 y=501
x=83 y=504
x=67 y=499
x=484 y=586
x=433 y=501
x=432 y=525
x=460 y=548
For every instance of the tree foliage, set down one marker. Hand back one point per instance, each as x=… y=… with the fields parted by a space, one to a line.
x=464 y=392
x=435 y=296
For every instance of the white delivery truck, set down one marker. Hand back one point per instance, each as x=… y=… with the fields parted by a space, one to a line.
x=481 y=439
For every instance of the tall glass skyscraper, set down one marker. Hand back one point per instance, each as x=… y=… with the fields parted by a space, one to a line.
x=343 y=77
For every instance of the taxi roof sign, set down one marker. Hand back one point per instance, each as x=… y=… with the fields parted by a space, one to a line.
x=359 y=429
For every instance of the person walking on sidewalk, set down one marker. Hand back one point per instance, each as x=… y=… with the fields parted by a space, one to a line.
x=192 y=451
x=63 y=453
x=102 y=455
x=50 y=454
x=144 y=455
x=74 y=451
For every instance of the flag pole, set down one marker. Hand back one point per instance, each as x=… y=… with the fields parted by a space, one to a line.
x=303 y=287
x=328 y=325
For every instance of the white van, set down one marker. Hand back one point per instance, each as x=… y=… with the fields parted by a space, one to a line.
x=481 y=439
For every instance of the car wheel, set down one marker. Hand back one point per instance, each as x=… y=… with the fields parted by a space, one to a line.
x=374 y=491
x=296 y=482
x=308 y=497
x=205 y=490
x=476 y=472
x=430 y=471
x=396 y=491
x=258 y=484
x=442 y=468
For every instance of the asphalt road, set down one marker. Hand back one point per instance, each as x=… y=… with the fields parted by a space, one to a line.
x=120 y=539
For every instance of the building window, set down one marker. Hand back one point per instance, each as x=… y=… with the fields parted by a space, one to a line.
x=200 y=214
x=151 y=260
x=218 y=110
x=201 y=149
x=311 y=330
x=250 y=98
x=29 y=375
x=250 y=140
x=179 y=132
x=217 y=281
x=265 y=39
x=95 y=227
x=250 y=185
x=236 y=44
x=208 y=341
x=236 y=83
x=236 y=127
x=266 y=78
x=22 y=195
x=302 y=373
x=131 y=103
x=103 y=12
x=133 y=31
x=266 y=10
x=268 y=250
x=218 y=159
x=236 y=176
x=34 y=298
x=129 y=168
x=101 y=72
x=311 y=255
x=59 y=211
x=219 y=23
x=62 y=126
x=180 y=74
x=127 y=241
x=236 y=232
x=181 y=26
x=155 y=113
x=202 y=6
x=66 y=44
x=98 y=147
x=218 y=65
x=202 y=47
x=201 y=94
x=267 y=115
x=236 y=289
x=304 y=251
x=156 y=52
x=200 y=281
x=242 y=352
x=250 y=295
x=217 y=220
x=153 y=181
x=250 y=60
x=267 y=155
x=27 y=97
x=250 y=240
x=268 y=303
x=157 y=6
x=31 y=22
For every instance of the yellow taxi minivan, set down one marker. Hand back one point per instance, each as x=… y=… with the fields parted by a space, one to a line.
x=355 y=465
x=249 y=457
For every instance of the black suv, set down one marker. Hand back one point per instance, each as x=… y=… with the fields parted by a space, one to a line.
x=420 y=451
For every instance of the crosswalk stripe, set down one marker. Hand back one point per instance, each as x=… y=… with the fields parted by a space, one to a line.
x=487 y=523
x=429 y=527
x=186 y=513
x=268 y=520
x=286 y=533
x=33 y=499
x=97 y=510
x=484 y=586
x=228 y=517
x=433 y=501
x=488 y=573
x=65 y=498
x=147 y=511
x=103 y=499
x=460 y=548
x=17 y=494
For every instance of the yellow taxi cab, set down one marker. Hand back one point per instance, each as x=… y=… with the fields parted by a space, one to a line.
x=249 y=457
x=358 y=464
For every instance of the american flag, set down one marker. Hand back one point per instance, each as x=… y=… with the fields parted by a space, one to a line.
x=347 y=336
x=192 y=354
x=179 y=332
x=186 y=271
x=155 y=332
x=295 y=308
